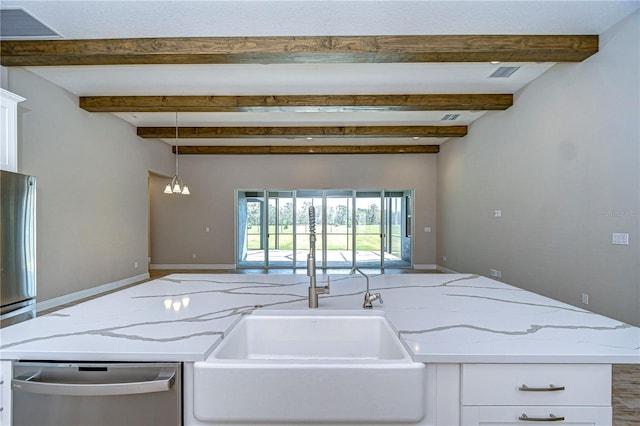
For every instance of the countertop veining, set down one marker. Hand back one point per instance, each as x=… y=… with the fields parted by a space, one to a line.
x=441 y=318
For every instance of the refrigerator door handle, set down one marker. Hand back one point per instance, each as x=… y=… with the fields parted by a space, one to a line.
x=164 y=381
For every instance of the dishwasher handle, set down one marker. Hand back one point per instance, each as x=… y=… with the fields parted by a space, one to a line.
x=164 y=381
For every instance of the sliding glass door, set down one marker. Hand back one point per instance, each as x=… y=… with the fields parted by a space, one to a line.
x=280 y=231
x=251 y=235
x=338 y=235
x=369 y=229
x=397 y=219
x=364 y=228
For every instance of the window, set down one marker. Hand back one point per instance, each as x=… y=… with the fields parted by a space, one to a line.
x=365 y=228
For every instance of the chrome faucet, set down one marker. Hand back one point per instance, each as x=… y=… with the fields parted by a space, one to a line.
x=314 y=291
x=368 y=296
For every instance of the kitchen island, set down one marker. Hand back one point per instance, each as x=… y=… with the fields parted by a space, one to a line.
x=451 y=322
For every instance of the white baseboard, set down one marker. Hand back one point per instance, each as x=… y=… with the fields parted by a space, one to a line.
x=72 y=297
x=446 y=270
x=194 y=266
x=421 y=267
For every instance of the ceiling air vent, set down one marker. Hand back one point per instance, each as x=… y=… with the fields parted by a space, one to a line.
x=504 y=71
x=450 y=117
x=17 y=24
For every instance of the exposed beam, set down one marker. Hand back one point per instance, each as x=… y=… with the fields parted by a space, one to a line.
x=313 y=49
x=309 y=131
x=306 y=103
x=309 y=149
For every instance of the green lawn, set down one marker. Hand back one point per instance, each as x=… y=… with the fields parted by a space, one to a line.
x=338 y=238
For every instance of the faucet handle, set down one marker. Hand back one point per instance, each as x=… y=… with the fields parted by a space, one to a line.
x=370 y=297
x=325 y=289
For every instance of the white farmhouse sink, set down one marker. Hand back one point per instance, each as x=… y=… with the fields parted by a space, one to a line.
x=312 y=367
x=300 y=335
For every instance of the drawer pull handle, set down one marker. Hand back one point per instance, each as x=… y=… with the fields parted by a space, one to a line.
x=550 y=388
x=551 y=418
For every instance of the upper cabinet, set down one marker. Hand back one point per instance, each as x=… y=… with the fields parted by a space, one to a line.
x=9 y=130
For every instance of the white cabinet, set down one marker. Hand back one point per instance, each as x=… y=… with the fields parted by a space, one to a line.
x=534 y=415
x=9 y=130
x=508 y=394
x=502 y=394
x=5 y=393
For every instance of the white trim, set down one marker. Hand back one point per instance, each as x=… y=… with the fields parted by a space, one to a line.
x=446 y=270
x=195 y=266
x=9 y=133
x=421 y=267
x=11 y=96
x=72 y=297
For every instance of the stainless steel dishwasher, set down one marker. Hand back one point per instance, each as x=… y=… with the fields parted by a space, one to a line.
x=96 y=394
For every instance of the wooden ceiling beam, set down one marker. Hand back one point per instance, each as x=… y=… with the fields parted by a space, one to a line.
x=309 y=149
x=306 y=103
x=300 y=131
x=310 y=49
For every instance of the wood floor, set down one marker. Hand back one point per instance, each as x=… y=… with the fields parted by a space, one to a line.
x=626 y=395
x=626 y=377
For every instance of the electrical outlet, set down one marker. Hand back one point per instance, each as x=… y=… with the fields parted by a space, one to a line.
x=135 y=264
x=193 y=255
x=585 y=298
x=444 y=258
x=495 y=273
x=620 y=238
x=497 y=213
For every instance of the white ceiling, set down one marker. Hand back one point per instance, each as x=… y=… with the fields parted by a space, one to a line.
x=119 y=19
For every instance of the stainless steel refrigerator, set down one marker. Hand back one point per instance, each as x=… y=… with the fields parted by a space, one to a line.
x=17 y=247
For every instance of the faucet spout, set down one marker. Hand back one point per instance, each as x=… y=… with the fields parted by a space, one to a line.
x=366 y=277
x=368 y=296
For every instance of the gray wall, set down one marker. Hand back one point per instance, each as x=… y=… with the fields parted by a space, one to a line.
x=178 y=223
x=92 y=203
x=563 y=165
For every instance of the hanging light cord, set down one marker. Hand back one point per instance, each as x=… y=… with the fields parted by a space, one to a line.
x=177 y=172
x=177 y=186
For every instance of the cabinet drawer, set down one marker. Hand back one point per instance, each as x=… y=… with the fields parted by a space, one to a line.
x=526 y=415
x=531 y=384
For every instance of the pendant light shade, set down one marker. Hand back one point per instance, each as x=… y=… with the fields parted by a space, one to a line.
x=176 y=186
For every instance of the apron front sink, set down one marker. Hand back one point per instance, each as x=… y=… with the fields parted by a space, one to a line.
x=312 y=367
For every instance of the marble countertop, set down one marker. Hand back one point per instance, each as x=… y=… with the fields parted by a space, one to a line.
x=441 y=318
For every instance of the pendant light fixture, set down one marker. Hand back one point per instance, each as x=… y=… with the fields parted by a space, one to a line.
x=177 y=186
